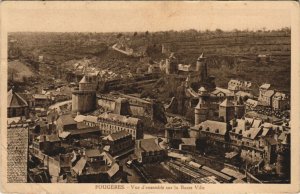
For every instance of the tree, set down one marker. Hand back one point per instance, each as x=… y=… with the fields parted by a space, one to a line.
x=119 y=35
x=219 y=31
x=135 y=34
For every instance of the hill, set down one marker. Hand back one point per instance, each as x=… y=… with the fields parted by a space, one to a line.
x=229 y=55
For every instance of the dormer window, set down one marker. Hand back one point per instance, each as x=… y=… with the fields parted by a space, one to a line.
x=217 y=130
x=207 y=129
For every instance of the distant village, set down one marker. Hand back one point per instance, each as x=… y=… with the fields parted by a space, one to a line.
x=88 y=131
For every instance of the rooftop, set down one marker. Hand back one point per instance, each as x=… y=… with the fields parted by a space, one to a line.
x=223 y=90
x=213 y=127
x=269 y=93
x=67 y=119
x=226 y=103
x=92 y=153
x=149 y=145
x=15 y=100
x=83 y=80
x=117 y=135
x=120 y=118
x=265 y=86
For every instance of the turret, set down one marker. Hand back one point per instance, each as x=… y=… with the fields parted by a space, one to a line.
x=201 y=110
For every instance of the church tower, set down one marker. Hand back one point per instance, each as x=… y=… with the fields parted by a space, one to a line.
x=202 y=108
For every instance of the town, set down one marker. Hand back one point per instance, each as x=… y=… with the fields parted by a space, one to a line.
x=168 y=122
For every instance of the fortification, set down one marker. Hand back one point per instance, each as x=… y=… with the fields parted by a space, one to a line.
x=202 y=108
x=84 y=98
x=201 y=67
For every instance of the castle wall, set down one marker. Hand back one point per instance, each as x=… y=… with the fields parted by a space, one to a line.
x=106 y=103
x=200 y=115
x=110 y=105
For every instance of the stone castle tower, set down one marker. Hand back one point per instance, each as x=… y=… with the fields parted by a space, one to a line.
x=202 y=108
x=239 y=107
x=84 y=98
x=227 y=110
x=171 y=64
x=201 y=67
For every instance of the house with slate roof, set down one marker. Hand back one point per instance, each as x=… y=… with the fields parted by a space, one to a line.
x=96 y=167
x=118 y=143
x=16 y=105
x=148 y=151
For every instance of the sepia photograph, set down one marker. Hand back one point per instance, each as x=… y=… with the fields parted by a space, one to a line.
x=157 y=93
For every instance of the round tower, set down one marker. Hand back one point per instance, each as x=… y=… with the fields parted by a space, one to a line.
x=201 y=110
x=201 y=67
x=84 y=98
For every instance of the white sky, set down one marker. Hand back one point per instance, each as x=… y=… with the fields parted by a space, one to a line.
x=142 y=16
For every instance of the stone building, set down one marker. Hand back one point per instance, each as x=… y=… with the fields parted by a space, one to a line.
x=41 y=100
x=201 y=67
x=148 y=151
x=111 y=123
x=280 y=101
x=17 y=152
x=47 y=144
x=16 y=105
x=239 y=107
x=227 y=110
x=96 y=167
x=214 y=131
x=203 y=110
x=265 y=95
x=84 y=98
x=118 y=143
x=238 y=85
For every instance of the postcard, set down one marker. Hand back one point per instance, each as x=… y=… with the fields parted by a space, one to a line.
x=149 y=97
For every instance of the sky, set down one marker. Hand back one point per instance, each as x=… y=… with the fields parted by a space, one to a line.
x=143 y=16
